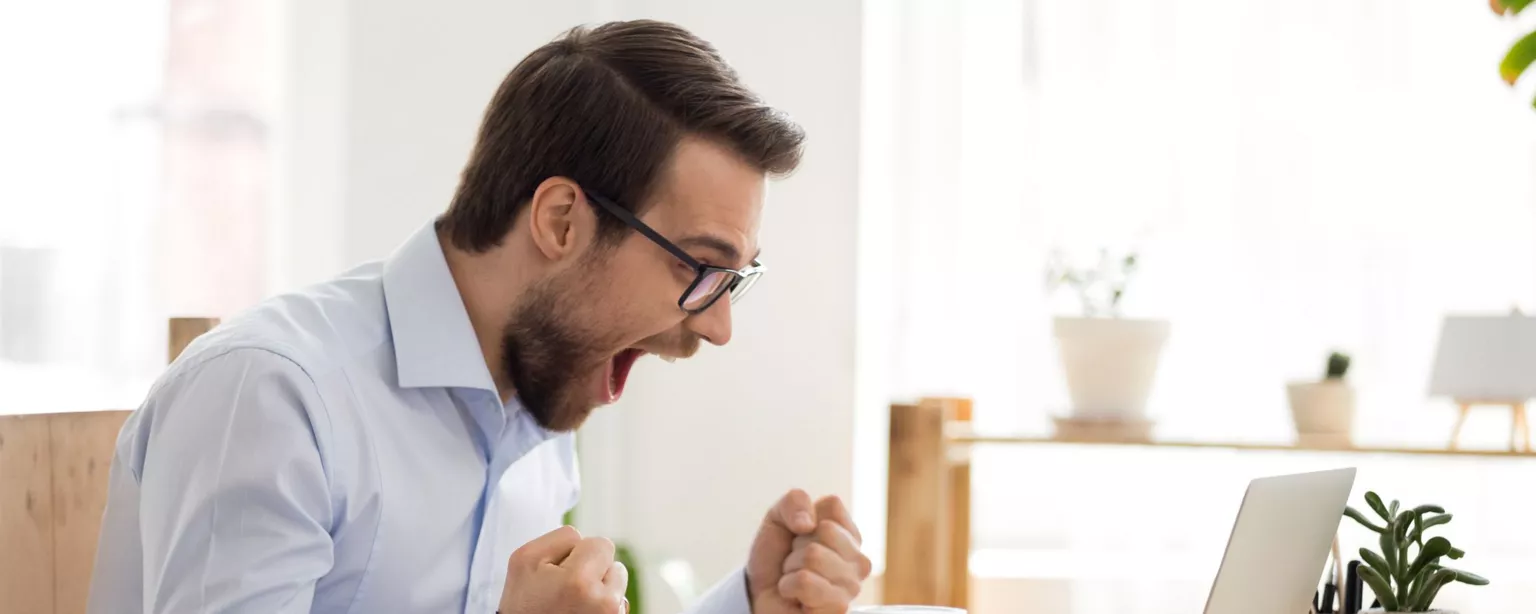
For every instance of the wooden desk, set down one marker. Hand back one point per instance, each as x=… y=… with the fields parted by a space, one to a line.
x=928 y=534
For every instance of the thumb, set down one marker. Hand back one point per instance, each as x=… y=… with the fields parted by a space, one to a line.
x=794 y=514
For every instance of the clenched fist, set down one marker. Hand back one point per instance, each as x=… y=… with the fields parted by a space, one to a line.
x=806 y=558
x=562 y=572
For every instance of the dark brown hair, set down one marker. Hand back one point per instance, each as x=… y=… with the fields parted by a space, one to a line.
x=606 y=107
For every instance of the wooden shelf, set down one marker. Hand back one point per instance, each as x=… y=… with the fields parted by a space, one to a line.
x=963 y=437
x=928 y=492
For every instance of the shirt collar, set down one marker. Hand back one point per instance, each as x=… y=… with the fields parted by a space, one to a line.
x=435 y=345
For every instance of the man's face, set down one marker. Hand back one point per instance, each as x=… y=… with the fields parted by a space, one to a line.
x=571 y=340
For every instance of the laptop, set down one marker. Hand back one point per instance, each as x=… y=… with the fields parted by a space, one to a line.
x=1280 y=543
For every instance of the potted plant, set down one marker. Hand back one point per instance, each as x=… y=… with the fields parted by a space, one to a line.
x=1406 y=574
x=1324 y=410
x=1522 y=53
x=1110 y=361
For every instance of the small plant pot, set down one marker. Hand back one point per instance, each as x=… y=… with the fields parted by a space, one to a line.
x=1110 y=364
x=1381 y=611
x=1323 y=412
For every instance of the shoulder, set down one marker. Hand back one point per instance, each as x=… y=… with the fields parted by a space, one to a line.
x=265 y=368
x=310 y=332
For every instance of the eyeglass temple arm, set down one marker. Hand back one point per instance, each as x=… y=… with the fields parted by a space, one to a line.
x=635 y=223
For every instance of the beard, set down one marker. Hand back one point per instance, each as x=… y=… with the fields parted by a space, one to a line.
x=548 y=355
x=544 y=356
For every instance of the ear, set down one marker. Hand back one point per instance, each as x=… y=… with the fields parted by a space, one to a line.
x=560 y=221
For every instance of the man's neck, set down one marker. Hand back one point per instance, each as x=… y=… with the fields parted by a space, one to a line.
x=486 y=298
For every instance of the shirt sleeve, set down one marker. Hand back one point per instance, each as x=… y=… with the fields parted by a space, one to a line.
x=235 y=506
x=729 y=596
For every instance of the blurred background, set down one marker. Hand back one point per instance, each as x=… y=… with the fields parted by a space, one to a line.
x=1292 y=178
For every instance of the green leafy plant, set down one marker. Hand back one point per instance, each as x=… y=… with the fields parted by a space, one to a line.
x=1099 y=289
x=1406 y=574
x=1523 y=52
x=1338 y=365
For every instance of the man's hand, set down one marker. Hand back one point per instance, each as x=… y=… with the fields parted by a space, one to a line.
x=561 y=572
x=806 y=558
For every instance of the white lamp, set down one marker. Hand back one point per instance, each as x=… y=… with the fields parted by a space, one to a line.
x=1487 y=360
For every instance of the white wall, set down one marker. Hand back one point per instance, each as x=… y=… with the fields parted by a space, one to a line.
x=384 y=97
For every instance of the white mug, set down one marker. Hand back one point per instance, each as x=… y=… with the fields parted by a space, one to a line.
x=905 y=609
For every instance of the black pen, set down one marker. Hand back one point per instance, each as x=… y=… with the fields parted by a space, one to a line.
x=1352 y=588
x=1330 y=588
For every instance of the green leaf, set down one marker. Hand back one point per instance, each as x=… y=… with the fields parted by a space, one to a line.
x=1375 y=560
x=1433 y=549
x=1379 y=586
x=1375 y=501
x=1520 y=56
x=1389 y=552
x=1428 y=509
x=1511 y=7
x=1400 y=530
x=1430 y=597
x=1405 y=581
x=1426 y=590
x=1402 y=524
x=1456 y=553
x=1360 y=518
x=1392 y=509
x=1467 y=577
x=1425 y=523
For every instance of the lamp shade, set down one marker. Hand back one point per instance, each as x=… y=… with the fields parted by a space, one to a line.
x=1486 y=358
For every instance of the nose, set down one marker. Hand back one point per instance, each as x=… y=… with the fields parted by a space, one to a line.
x=713 y=324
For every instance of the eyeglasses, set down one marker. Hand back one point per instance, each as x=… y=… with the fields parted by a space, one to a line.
x=709 y=282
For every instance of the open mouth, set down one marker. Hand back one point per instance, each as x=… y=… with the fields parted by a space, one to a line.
x=618 y=373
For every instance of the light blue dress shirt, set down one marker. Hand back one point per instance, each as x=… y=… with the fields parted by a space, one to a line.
x=339 y=449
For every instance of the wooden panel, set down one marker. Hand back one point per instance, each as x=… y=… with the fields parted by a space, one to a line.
x=183 y=331
x=26 y=516
x=958 y=571
x=915 y=551
x=962 y=436
x=83 y=446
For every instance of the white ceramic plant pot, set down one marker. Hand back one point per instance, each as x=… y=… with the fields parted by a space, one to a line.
x=1110 y=364
x=1323 y=412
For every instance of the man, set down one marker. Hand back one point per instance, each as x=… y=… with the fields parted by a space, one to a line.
x=398 y=439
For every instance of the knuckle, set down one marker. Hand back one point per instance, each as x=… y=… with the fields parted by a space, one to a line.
x=566 y=534
x=572 y=588
x=599 y=597
x=827 y=531
x=818 y=556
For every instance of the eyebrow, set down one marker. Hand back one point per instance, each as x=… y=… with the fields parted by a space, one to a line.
x=724 y=247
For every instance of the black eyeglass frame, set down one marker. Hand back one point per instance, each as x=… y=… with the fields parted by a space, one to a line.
x=743 y=279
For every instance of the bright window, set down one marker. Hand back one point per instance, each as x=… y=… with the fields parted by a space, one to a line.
x=134 y=187
x=1299 y=177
